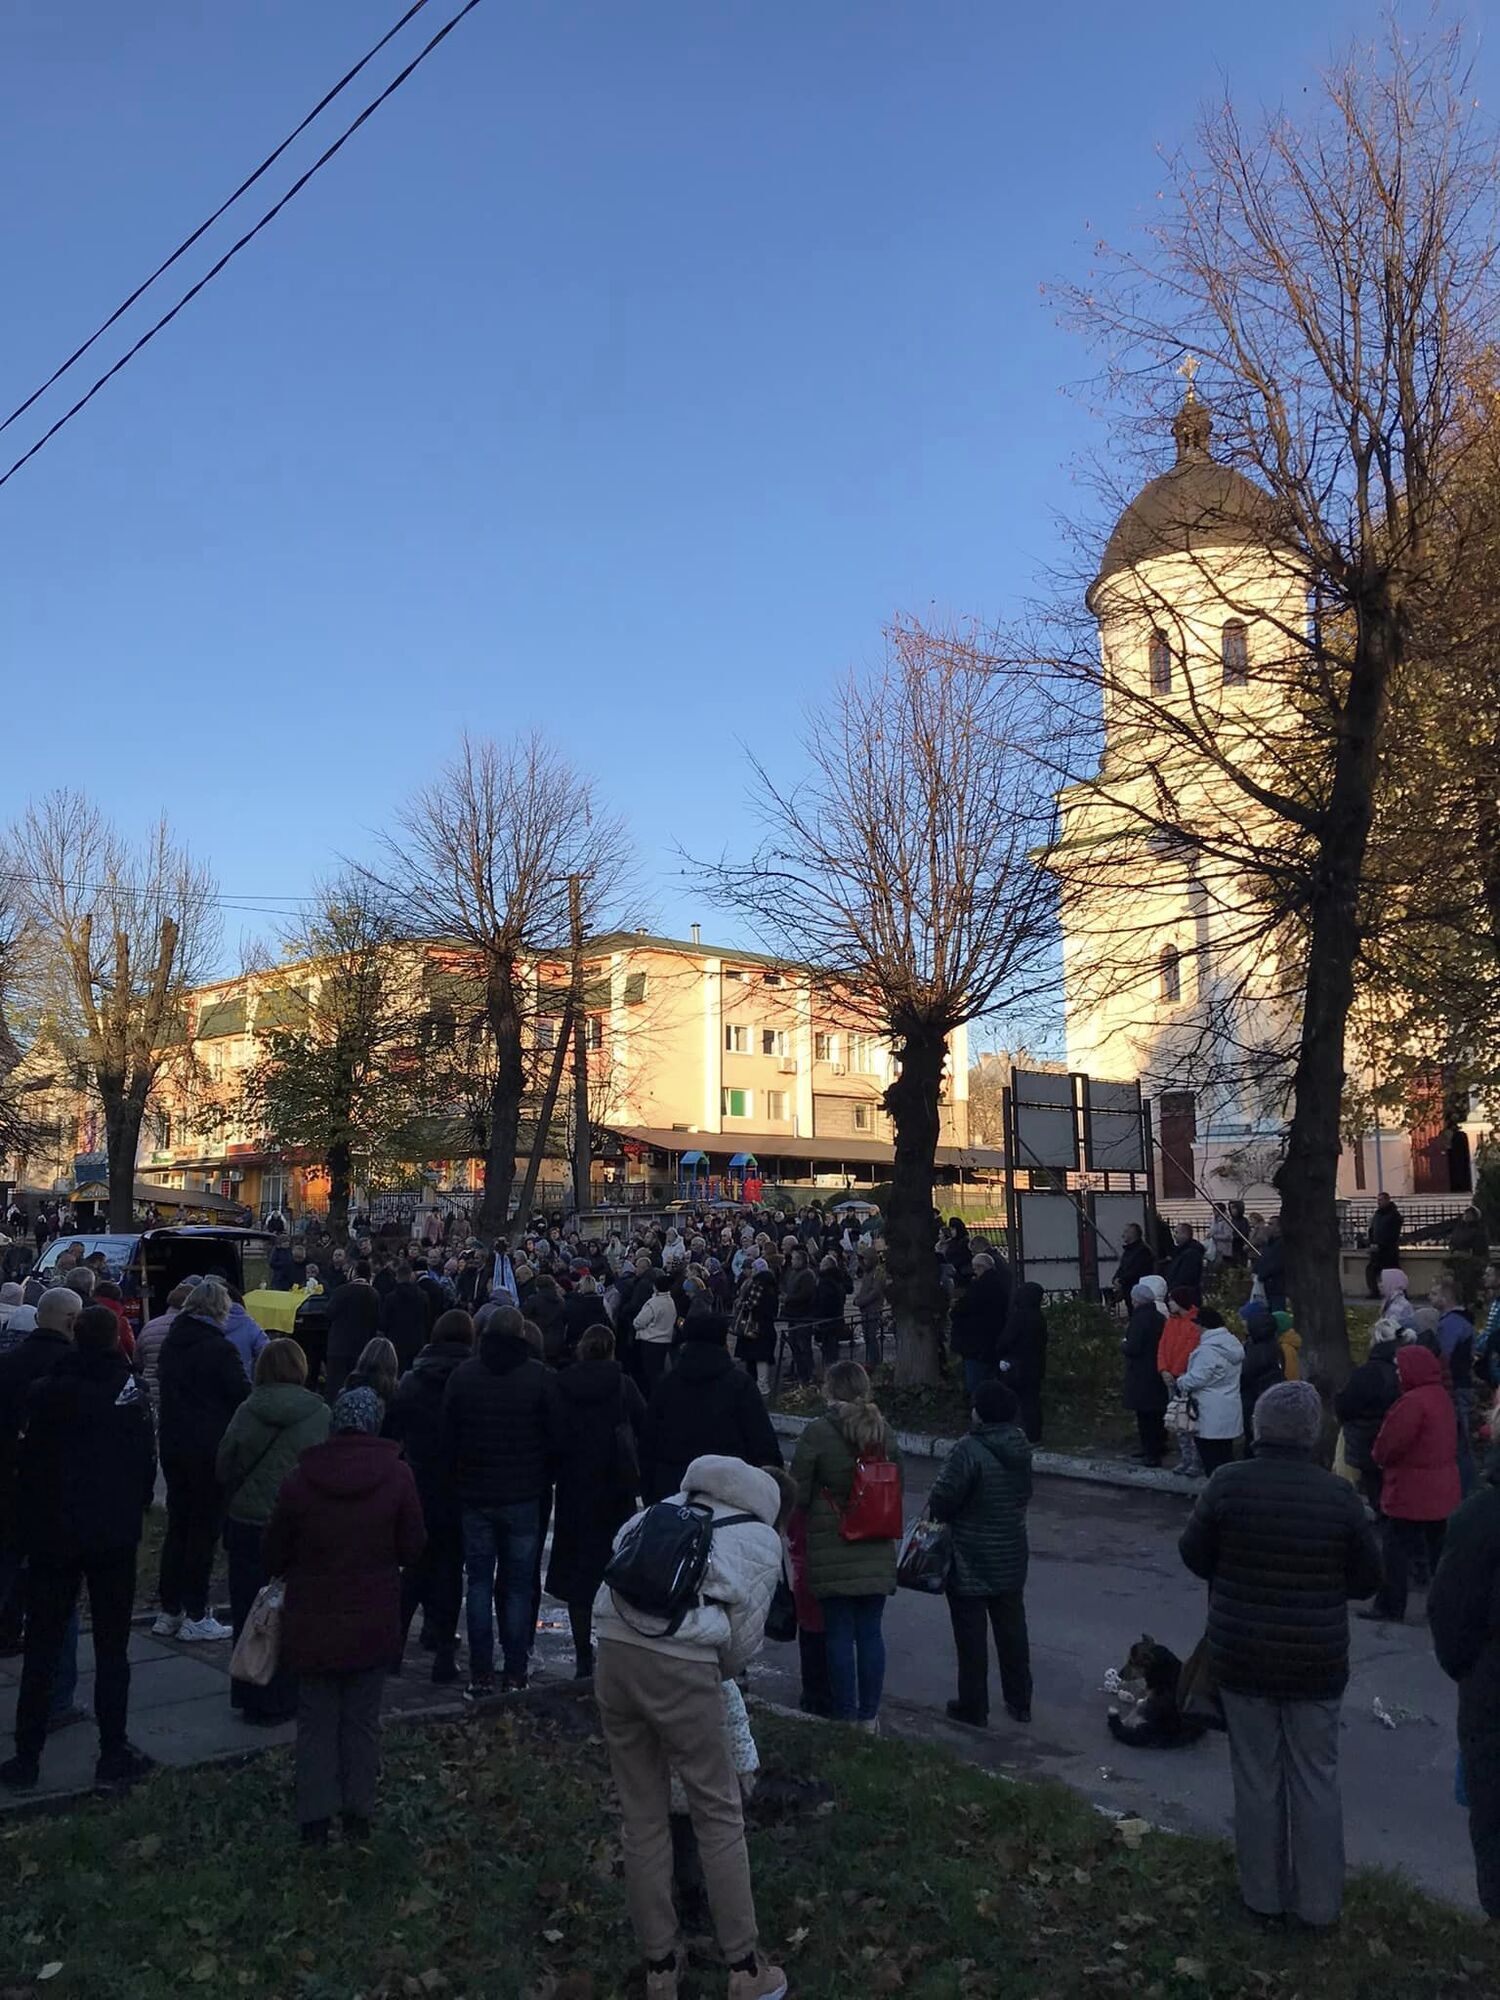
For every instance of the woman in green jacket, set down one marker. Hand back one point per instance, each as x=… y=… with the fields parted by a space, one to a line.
x=981 y=1493
x=851 y=1580
x=267 y=1435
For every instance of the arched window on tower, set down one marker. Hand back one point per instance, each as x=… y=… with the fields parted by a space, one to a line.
x=1169 y=973
x=1234 y=652
x=1161 y=662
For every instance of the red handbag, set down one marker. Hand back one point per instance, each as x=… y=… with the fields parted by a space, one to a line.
x=873 y=1510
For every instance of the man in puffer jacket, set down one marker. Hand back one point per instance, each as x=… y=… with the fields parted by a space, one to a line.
x=661 y=1710
x=1283 y=1545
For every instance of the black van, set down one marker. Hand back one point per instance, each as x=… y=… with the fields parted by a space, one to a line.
x=147 y=1263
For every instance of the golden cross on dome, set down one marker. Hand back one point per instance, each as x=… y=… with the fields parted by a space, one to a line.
x=1188 y=370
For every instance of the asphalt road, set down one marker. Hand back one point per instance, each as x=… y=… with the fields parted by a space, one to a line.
x=1104 y=1569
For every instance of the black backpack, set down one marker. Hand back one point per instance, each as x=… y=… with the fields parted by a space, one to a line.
x=659 y=1567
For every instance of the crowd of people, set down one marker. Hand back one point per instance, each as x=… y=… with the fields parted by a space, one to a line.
x=473 y=1426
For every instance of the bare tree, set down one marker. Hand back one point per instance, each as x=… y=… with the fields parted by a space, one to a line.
x=26 y=1075
x=122 y=934
x=337 y=1055
x=481 y=867
x=903 y=875
x=1335 y=275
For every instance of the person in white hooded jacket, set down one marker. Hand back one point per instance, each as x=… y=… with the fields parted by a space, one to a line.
x=1212 y=1376
x=661 y=1711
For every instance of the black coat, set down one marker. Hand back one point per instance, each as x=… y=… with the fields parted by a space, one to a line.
x=415 y=1420
x=1022 y=1342
x=24 y=1366
x=829 y=1295
x=1463 y=1608
x=353 y=1320
x=1283 y=1545
x=1385 y=1232
x=581 y=1310
x=593 y=1498
x=405 y=1320
x=706 y=1405
x=88 y=1460
x=1136 y=1262
x=200 y=1383
x=1264 y=1365
x=1362 y=1403
x=1269 y=1265
x=1185 y=1267
x=1144 y=1388
x=977 y=1317
x=502 y=1423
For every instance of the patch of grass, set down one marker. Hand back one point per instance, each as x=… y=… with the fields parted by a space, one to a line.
x=880 y=1868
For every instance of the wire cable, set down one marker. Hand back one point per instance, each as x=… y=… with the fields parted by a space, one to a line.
x=249 y=237
x=244 y=187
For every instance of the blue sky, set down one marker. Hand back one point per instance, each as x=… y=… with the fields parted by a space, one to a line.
x=622 y=377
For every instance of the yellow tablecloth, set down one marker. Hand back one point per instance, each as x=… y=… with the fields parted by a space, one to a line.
x=275 y=1311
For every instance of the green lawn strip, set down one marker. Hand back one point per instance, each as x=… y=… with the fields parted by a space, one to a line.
x=880 y=1867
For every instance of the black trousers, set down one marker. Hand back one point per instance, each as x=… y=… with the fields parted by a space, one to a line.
x=195 y=1511
x=973 y=1619
x=51 y=1593
x=435 y=1582
x=1152 y=1425
x=1400 y=1542
x=800 y=1340
x=1214 y=1452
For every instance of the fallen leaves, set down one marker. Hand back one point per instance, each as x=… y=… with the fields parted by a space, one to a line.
x=1132 y=1831
x=51 y=1969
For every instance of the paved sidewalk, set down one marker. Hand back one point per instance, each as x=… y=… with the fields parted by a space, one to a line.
x=180 y=1712
x=1100 y=1470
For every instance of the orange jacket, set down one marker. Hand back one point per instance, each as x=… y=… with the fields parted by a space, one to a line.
x=1179 y=1337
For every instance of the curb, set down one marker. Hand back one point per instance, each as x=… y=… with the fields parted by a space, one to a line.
x=1059 y=1464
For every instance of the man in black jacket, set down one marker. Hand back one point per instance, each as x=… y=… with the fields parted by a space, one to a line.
x=87 y=1468
x=1383 y=1242
x=353 y=1319
x=1136 y=1262
x=1284 y=1545
x=1463 y=1608
x=977 y=1318
x=707 y=1407
x=415 y=1420
x=35 y=1356
x=1185 y=1267
x=502 y=1432
x=200 y=1384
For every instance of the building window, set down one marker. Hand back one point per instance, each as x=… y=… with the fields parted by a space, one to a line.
x=736 y=1038
x=1169 y=970
x=1234 y=653
x=635 y=989
x=773 y=1041
x=862 y=1054
x=825 y=1048
x=776 y=1104
x=1161 y=662
x=596 y=1031
x=864 y=1119
x=773 y=979
x=737 y=1103
x=546 y=1034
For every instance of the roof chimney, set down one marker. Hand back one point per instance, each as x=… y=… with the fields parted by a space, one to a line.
x=697 y=933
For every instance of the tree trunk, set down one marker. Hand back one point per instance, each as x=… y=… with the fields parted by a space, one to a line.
x=340 y=1164
x=504 y=1015
x=122 y=1138
x=917 y=1300
x=1308 y=1177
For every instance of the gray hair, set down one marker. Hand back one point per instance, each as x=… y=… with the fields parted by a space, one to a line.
x=983 y=1263
x=209 y=1299
x=57 y=1309
x=81 y=1280
x=1289 y=1413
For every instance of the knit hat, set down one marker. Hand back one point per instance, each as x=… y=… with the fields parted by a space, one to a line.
x=1289 y=1413
x=1256 y=1317
x=359 y=1410
x=56 y=1310
x=11 y=1293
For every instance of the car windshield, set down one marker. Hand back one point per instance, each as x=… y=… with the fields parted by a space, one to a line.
x=118 y=1251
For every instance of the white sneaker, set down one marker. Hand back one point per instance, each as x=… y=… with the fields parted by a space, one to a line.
x=206 y=1627
x=168 y=1625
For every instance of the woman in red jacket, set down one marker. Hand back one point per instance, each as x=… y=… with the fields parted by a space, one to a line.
x=345 y=1522
x=1417 y=1451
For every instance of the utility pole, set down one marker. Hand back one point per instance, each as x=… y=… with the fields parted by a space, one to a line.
x=582 y=1153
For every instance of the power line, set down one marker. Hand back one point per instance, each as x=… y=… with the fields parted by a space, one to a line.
x=244 y=187
x=270 y=216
